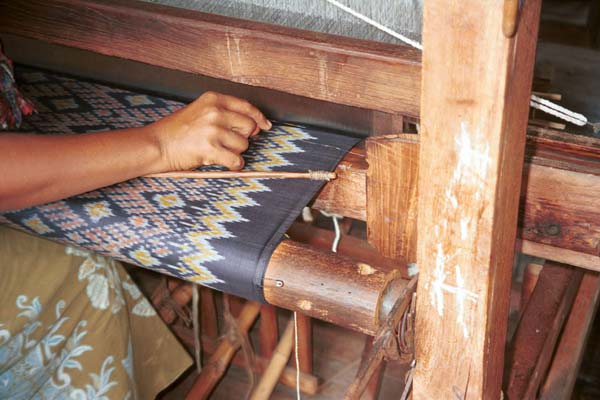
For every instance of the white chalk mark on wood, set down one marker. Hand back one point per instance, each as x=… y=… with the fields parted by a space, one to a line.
x=468 y=178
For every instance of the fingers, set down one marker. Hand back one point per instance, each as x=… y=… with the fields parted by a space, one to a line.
x=233 y=141
x=226 y=158
x=239 y=123
x=242 y=107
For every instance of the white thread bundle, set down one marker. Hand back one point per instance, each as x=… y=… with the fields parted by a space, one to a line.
x=558 y=111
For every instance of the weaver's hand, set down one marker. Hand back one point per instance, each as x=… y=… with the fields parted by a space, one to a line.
x=213 y=130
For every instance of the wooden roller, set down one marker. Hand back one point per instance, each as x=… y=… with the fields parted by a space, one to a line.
x=330 y=287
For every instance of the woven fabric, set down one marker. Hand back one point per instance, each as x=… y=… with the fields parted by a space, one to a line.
x=215 y=232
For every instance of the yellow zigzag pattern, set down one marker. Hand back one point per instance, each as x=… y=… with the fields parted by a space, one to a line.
x=283 y=138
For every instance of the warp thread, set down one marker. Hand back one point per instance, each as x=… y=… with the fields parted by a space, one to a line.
x=535 y=102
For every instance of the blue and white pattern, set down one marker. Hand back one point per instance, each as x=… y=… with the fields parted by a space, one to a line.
x=216 y=232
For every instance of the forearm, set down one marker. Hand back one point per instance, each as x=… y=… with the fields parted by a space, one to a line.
x=36 y=169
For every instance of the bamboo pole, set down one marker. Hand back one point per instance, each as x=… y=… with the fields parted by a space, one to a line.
x=314 y=175
x=216 y=366
x=277 y=364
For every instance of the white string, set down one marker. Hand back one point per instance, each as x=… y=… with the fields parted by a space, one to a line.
x=376 y=24
x=536 y=102
x=558 y=111
x=297 y=357
x=196 y=325
x=336 y=227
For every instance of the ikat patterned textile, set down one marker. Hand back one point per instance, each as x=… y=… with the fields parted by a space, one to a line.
x=215 y=232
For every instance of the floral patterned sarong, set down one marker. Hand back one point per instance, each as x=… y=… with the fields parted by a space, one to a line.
x=75 y=326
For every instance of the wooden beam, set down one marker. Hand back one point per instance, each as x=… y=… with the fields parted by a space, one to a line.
x=561 y=208
x=392 y=195
x=560 y=381
x=550 y=221
x=538 y=331
x=325 y=67
x=474 y=108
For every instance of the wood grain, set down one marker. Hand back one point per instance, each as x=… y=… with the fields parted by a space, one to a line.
x=560 y=195
x=538 y=331
x=325 y=67
x=560 y=381
x=392 y=195
x=349 y=246
x=561 y=208
x=347 y=195
x=327 y=286
x=474 y=108
x=268 y=330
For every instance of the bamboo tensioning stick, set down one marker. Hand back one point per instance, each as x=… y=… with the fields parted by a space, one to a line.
x=314 y=175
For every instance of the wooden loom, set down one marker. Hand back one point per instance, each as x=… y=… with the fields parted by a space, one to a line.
x=471 y=86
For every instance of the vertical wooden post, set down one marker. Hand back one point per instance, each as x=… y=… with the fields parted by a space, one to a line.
x=305 y=347
x=268 y=330
x=475 y=93
x=208 y=313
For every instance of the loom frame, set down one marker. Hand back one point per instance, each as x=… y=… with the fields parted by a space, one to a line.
x=552 y=159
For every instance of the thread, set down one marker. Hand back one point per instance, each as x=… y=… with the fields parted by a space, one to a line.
x=336 y=227
x=376 y=24
x=297 y=356
x=558 y=111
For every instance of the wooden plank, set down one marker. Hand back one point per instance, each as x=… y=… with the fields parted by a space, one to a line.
x=538 y=331
x=562 y=255
x=392 y=195
x=326 y=67
x=561 y=208
x=474 y=107
x=562 y=375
